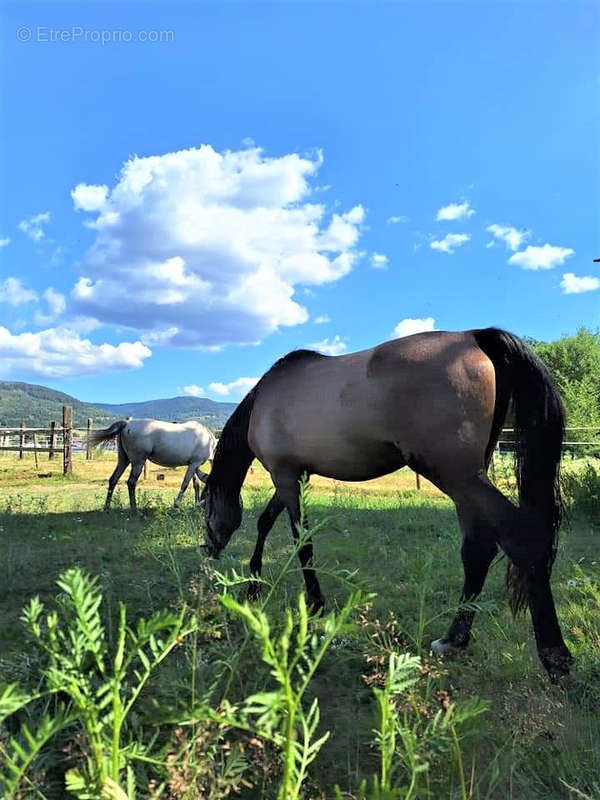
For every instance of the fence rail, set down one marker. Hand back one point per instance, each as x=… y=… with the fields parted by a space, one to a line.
x=51 y=433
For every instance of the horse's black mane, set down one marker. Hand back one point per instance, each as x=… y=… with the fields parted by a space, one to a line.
x=233 y=454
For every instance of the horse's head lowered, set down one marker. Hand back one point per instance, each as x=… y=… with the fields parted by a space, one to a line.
x=223 y=516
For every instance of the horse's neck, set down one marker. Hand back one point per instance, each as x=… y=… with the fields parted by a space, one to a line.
x=230 y=466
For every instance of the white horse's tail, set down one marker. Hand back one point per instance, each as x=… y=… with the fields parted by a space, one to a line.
x=104 y=435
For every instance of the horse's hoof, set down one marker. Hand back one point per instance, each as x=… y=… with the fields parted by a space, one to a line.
x=254 y=591
x=442 y=647
x=316 y=606
x=557 y=661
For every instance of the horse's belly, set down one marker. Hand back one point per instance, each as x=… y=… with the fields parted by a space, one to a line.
x=342 y=461
x=354 y=471
x=167 y=458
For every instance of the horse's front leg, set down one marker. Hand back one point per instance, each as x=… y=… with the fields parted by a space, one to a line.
x=264 y=525
x=289 y=493
x=186 y=479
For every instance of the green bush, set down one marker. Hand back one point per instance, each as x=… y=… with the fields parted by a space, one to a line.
x=581 y=491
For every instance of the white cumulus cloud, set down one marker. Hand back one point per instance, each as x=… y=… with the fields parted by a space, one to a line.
x=512 y=238
x=89 y=198
x=4 y=241
x=194 y=391
x=322 y=319
x=450 y=242
x=237 y=388
x=330 y=347
x=60 y=352
x=409 y=326
x=397 y=220
x=574 y=284
x=213 y=244
x=379 y=261
x=454 y=211
x=14 y=293
x=33 y=225
x=546 y=257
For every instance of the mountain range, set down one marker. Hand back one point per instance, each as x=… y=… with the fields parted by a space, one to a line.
x=38 y=406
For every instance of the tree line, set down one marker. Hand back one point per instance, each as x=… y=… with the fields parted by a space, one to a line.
x=574 y=361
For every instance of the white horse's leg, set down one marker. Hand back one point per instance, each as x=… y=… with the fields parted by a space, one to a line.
x=186 y=479
x=136 y=471
x=122 y=465
x=199 y=476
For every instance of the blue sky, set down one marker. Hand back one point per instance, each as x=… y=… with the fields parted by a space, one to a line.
x=177 y=214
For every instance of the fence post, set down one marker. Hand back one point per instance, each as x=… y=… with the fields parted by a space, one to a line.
x=21 y=438
x=67 y=420
x=52 y=441
x=88 y=445
x=418 y=478
x=35 y=454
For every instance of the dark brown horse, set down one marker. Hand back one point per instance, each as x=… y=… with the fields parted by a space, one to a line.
x=435 y=402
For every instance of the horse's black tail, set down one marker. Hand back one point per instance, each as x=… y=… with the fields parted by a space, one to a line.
x=103 y=435
x=539 y=423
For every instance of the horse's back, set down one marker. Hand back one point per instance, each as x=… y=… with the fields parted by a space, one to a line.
x=368 y=413
x=167 y=443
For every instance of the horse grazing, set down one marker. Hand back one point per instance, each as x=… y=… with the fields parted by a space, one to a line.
x=164 y=443
x=433 y=401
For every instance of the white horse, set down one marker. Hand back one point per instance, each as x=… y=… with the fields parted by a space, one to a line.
x=165 y=443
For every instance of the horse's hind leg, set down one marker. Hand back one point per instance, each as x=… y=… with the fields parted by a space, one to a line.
x=134 y=476
x=264 y=525
x=531 y=557
x=122 y=464
x=478 y=551
x=490 y=517
x=190 y=471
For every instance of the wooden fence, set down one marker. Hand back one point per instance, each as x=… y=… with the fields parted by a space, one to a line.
x=53 y=440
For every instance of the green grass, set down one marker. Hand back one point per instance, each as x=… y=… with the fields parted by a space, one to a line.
x=534 y=741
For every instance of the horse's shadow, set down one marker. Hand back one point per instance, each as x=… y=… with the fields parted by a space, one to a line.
x=149 y=559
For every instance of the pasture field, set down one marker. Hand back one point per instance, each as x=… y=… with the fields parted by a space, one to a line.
x=533 y=740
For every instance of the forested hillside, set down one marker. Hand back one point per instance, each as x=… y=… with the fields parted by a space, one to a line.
x=175 y=409
x=39 y=405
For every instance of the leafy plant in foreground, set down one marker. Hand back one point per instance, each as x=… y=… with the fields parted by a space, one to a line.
x=418 y=726
x=280 y=716
x=94 y=690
